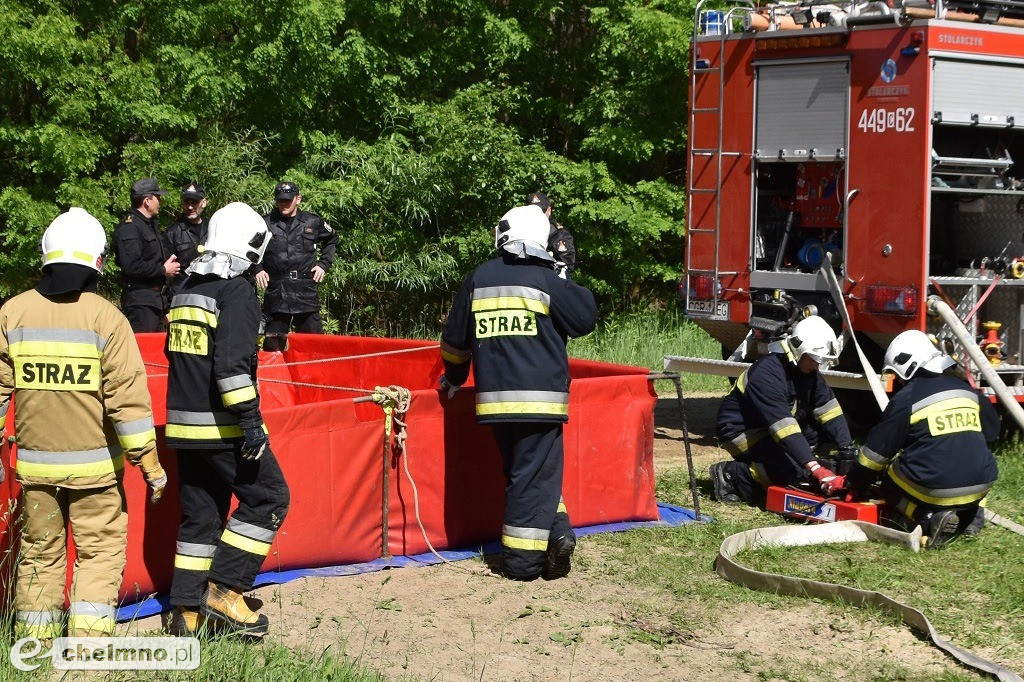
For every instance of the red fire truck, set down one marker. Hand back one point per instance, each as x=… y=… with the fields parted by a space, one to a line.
x=886 y=140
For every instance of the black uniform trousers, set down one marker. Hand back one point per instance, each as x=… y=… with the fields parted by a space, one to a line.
x=144 y=308
x=765 y=464
x=305 y=323
x=207 y=549
x=534 y=510
x=905 y=512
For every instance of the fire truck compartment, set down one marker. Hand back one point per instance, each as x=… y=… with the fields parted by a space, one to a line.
x=886 y=137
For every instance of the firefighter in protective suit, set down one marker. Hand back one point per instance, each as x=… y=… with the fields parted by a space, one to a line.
x=770 y=420
x=214 y=421
x=511 y=320
x=69 y=359
x=944 y=429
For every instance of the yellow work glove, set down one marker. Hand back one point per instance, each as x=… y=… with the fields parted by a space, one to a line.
x=156 y=477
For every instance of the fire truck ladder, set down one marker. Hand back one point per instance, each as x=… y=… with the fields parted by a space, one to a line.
x=700 y=69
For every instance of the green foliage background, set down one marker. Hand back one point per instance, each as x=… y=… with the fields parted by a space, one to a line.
x=411 y=126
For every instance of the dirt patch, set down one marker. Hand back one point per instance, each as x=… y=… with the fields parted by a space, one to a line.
x=461 y=622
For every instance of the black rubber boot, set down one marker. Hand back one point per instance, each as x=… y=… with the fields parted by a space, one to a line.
x=722 y=488
x=558 y=560
x=977 y=523
x=940 y=528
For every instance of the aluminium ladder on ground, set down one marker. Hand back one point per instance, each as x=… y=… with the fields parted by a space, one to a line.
x=716 y=153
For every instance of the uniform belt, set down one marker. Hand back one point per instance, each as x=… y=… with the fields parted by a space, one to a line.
x=144 y=285
x=298 y=274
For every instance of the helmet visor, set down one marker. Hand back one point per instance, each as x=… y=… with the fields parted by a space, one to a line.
x=826 y=356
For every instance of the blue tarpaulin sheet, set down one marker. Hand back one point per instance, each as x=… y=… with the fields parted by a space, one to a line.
x=671 y=515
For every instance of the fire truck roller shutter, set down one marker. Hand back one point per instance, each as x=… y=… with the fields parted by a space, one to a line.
x=963 y=90
x=801 y=107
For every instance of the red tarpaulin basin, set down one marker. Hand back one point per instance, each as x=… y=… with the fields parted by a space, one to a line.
x=332 y=449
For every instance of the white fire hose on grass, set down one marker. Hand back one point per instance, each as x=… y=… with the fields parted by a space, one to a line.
x=838 y=533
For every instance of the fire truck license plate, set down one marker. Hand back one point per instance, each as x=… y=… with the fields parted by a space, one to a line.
x=708 y=309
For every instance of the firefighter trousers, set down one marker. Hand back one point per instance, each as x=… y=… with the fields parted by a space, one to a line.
x=905 y=512
x=99 y=526
x=764 y=464
x=534 y=510
x=208 y=549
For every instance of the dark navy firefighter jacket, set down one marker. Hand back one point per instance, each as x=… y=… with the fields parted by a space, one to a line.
x=944 y=428
x=774 y=398
x=211 y=347
x=511 y=319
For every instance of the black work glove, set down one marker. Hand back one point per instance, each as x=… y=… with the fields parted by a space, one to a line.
x=256 y=441
x=846 y=457
x=448 y=387
x=849 y=451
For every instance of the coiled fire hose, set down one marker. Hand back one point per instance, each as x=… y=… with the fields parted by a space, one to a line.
x=839 y=533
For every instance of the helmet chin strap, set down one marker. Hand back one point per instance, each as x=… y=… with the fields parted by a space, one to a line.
x=222 y=265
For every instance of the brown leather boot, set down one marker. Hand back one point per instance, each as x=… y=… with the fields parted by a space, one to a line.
x=226 y=608
x=186 y=622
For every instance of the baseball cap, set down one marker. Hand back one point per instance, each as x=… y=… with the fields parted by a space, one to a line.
x=192 y=190
x=147 y=186
x=539 y=199
x=285 y=190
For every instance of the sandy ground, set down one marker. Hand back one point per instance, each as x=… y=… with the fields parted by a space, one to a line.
x=461 y=622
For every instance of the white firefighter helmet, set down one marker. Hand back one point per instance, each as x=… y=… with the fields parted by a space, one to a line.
x=525 y=225
x=237 y=230
x=813 y=336
x=75 y=237
x=913 y=350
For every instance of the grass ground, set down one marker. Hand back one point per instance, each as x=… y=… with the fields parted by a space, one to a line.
x=971 y=590
x=644 y=338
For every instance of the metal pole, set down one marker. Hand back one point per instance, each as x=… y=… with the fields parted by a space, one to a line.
x=385 y=500
x=675 y=379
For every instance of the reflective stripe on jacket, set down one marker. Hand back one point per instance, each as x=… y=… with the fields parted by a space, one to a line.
x=211 y=348
x=943 y=428
x=76 y=373
x=510 y=320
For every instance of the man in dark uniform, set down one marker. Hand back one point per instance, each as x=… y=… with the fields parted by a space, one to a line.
x=771 y=419
x=292 y=269
x=145 y=258
x=944 y=429
x=188 y=232
x=561 y=245
x=511 y=318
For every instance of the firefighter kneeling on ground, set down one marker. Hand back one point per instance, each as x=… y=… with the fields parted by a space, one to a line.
x=511 y=318
x=214 y=421
x=944 y=428
x=70 y=360
x=770 y=420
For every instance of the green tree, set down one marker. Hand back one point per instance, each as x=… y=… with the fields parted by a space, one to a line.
x=411 y=125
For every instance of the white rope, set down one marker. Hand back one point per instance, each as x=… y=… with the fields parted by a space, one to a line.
x=342 y=358
x=307 y=384
x=400 y=399
x=322 y=361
